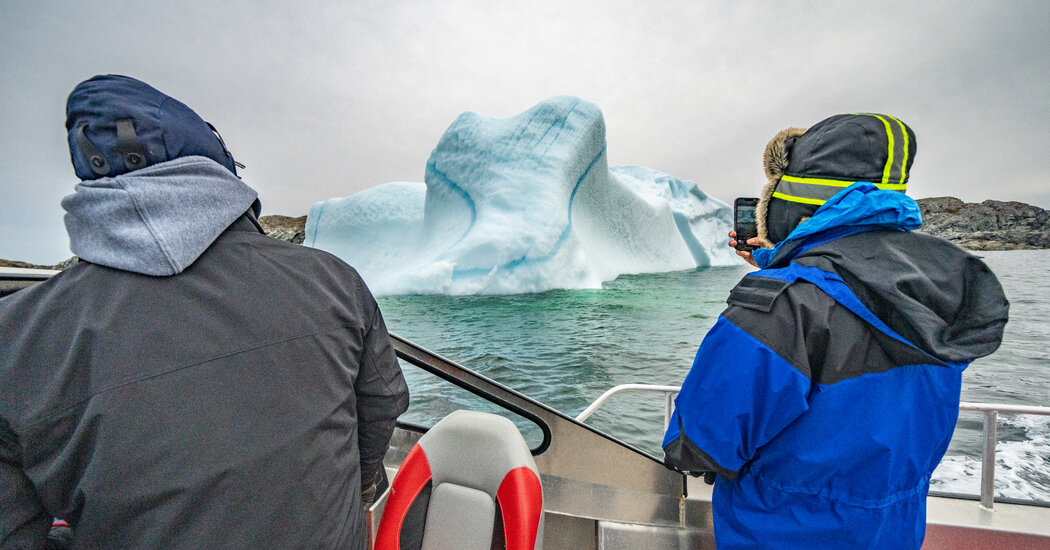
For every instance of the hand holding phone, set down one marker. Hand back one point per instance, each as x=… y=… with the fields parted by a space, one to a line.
x=744 y=222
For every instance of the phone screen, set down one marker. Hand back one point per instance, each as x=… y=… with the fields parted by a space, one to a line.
x=744 y=222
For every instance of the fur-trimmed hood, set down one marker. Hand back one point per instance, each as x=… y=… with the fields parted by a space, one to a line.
x=807 y=167
x=775 y=161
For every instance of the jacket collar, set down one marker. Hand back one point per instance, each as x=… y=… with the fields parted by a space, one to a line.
x=858 y=208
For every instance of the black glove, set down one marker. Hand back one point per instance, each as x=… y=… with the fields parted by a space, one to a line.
x=373 y=483
x=709 y=477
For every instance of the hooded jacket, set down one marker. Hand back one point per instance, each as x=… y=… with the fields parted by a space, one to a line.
x=828 y=390
x=157 y=220
x=191 y=382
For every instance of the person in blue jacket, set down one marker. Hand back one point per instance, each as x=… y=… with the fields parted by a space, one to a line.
x=827 y=391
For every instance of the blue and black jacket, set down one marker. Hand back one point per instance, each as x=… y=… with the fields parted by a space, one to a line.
x=828 y=390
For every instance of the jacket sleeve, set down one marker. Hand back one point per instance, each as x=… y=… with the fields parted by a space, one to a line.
x=23 y=521
x=738 y=395
x=382 y=395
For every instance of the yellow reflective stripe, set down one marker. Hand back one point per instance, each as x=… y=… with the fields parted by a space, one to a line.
x=890 y=146
x=817 y=181
x=904 y=163
x=840 y=183
x=804 y=200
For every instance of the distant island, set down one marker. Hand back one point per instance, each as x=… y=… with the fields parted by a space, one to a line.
x=989 y=225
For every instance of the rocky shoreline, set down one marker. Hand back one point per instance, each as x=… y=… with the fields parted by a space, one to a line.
x=990 y=225
x=285 y=228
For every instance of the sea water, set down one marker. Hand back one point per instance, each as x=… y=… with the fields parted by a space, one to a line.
x=566 y=347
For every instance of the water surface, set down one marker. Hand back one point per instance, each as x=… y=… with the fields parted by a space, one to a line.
x=566 y=347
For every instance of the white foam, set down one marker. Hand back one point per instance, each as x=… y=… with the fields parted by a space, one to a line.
x=1021 y=466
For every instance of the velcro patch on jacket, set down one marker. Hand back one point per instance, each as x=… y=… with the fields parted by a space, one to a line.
x=754 y=292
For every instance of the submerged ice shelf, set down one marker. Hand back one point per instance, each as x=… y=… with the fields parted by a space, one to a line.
x=522 y=204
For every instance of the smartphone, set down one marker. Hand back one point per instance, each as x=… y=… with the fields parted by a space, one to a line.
x=744 y=221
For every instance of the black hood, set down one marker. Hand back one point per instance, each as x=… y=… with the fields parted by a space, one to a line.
x=805 y=168
x=938 y=296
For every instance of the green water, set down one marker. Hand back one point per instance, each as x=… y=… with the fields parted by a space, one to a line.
x=566 y=347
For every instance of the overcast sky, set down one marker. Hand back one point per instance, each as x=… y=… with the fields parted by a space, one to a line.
x=324 y=99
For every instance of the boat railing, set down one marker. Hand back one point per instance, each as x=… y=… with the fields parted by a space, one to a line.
x=13 y=279
x=670 y=392
x=991 y=412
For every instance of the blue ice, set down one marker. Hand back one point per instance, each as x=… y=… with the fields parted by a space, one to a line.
x=522 y=204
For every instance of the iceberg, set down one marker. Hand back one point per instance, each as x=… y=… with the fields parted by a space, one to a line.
x=522 y=204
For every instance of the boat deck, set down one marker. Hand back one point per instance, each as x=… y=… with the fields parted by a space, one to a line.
x=601 y=493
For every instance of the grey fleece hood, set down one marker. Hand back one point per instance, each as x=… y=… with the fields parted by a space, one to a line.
x=157 y=220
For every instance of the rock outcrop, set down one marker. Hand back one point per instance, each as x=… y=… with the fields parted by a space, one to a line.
x=284 y=228
x=25 y=265
x=990 y=225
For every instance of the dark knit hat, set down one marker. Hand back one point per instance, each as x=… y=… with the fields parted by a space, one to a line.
x=805 y=168
x=117 y=124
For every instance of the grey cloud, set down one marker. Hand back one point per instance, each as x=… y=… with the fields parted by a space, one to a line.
x=326 y=98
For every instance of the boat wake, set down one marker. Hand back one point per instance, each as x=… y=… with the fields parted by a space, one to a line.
x=1021 y=469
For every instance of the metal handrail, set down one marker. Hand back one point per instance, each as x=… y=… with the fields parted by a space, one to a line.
x=991 y=413
x=670 y=391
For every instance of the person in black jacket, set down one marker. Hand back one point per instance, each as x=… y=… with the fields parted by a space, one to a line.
x=191 y=382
